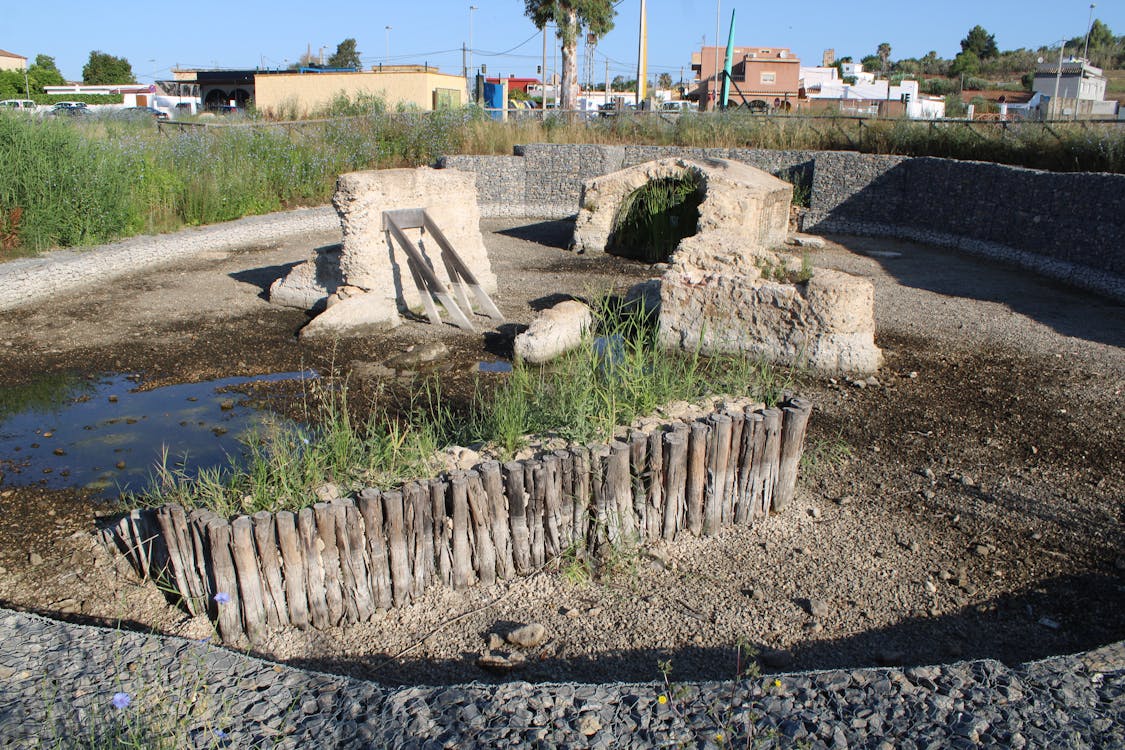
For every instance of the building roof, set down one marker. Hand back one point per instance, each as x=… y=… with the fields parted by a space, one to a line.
x=5 y=53
x=1072 y=67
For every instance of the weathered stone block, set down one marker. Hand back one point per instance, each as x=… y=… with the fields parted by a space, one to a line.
x=371 y=263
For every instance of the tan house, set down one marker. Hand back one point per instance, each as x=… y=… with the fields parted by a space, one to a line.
x=299 y=93
x=769 y=75
x=12 y=61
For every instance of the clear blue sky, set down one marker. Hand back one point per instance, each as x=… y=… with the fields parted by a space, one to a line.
x=244 y=33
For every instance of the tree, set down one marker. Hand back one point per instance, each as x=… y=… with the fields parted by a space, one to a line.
x=44 y=72
x=966 y=63
x=619 y=83
x=884 y=53
x=570 y=18
x=980 y=43
x=664 y=81
x=104 y=68
x=346 y=56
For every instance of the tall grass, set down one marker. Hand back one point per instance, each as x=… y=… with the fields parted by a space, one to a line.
x=612 y=378
x=80 y=181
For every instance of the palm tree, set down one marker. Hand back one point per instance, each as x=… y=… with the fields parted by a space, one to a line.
x=884 y=53
x=570 y=17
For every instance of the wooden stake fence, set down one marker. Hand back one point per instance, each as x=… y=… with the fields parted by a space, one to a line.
x=340 y=562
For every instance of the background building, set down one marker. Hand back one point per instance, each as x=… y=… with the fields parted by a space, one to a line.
x=762 y=74
x=12 y=61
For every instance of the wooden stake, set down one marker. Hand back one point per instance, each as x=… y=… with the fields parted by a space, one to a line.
x=696 y=476
x=480 y=512
x=249 y=578
x=654 y=486
x=718 y=455
x=416 y=504
x=493 y=482
x=771 y=457
x=566 y=498
x=177 y=566
x=675 y=483
x=534 y=485
x=462 y=551
x=394 y=519
x=552 y=513
x=226 y=582
x=517 y=513
x=443 y=531
x=600 y=500
x=580 y=483
x=730 y=488
x=744 y=511
x=314 y=570
x=638 y=472
x=794 y=422
x=330 y=560
x=623 y=524
x=265 y=540
x=371 y=509
x=293 y=564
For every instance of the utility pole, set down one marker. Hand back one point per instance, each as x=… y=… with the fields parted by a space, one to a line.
x=543 y=69
x=471 y=71
x=1058 y=77
x=387 y=54
x=642 y=61
x=1089 y=28
x=716 y=99
x=607 y=80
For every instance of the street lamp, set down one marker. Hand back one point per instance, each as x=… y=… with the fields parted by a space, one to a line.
x=471 y=9
x=387 y=56
x=1089 y=28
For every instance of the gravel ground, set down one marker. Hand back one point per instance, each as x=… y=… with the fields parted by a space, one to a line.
x=966 y=504
x=58 y=683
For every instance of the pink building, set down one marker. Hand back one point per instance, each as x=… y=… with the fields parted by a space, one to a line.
x=770 y=75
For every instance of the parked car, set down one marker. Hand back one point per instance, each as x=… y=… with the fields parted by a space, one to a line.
x=678 y=106
x=142 y=112
x=23 y=105
x=70 y=108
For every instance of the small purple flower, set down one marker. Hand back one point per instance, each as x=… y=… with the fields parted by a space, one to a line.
x=222 y=597
x=121 y=700
x=220 y=734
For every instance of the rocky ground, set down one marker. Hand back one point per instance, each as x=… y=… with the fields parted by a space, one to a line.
x=966 y=503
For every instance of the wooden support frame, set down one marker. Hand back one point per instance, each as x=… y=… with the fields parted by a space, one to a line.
x=427 y=282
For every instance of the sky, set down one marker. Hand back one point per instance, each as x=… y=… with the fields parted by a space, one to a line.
x=246 y=33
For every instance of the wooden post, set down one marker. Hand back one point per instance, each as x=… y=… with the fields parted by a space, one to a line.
x=481 y=516
x=393 y=515
x=744 y=510
x=638 y=472
x=371 y=509
x=623 y=524
x=462 y=552
x=443 y=531
x=176 y=561
x=654 y=486
x=581 y=484
x=493 y=482
x=599 y=501
x=226 y=581
x=330 y=560
x=357 y=560
x=535 y=484
x=249 y=578
x=314 y=570
x=730 y=489
x=265 y=539
x=337 y=517
x=416 y=504
x=718 y=454
x=794 y=422
x=566 y=498
x=517 y=513
x=675 y=483
x=293 y=560
x=696 y=476
x=201 y=547
x=771 y=457
x=552 y=515
x=197 y=585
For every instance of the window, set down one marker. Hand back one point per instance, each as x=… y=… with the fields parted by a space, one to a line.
x=769 y=77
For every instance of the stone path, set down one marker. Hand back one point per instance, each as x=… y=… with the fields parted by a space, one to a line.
x=27 y=280
x=58 y=682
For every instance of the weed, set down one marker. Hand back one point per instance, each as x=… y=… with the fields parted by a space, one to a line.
x=824 y=455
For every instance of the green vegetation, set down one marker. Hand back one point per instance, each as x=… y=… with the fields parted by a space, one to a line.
x=610 y=380
x=103 y=68
x=654 y=218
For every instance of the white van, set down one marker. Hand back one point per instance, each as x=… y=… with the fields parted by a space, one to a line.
x=25 y=105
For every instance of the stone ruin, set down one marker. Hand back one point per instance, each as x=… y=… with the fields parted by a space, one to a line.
x=726 y=290
x=364 y=284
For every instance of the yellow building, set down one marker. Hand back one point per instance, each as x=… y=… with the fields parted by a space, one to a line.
x=287 y=93
x=12 y=61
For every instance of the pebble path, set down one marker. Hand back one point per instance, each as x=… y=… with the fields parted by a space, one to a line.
x=26 y=280
x=58 y=681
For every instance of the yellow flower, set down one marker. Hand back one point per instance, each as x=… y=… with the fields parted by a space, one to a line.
x=662 y=699
x=777 y=683
x=719 y=737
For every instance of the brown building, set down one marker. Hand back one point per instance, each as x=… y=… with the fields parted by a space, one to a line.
x=762 y=74
x=12 y=61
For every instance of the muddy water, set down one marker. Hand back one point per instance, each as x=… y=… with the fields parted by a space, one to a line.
x=106 y=436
